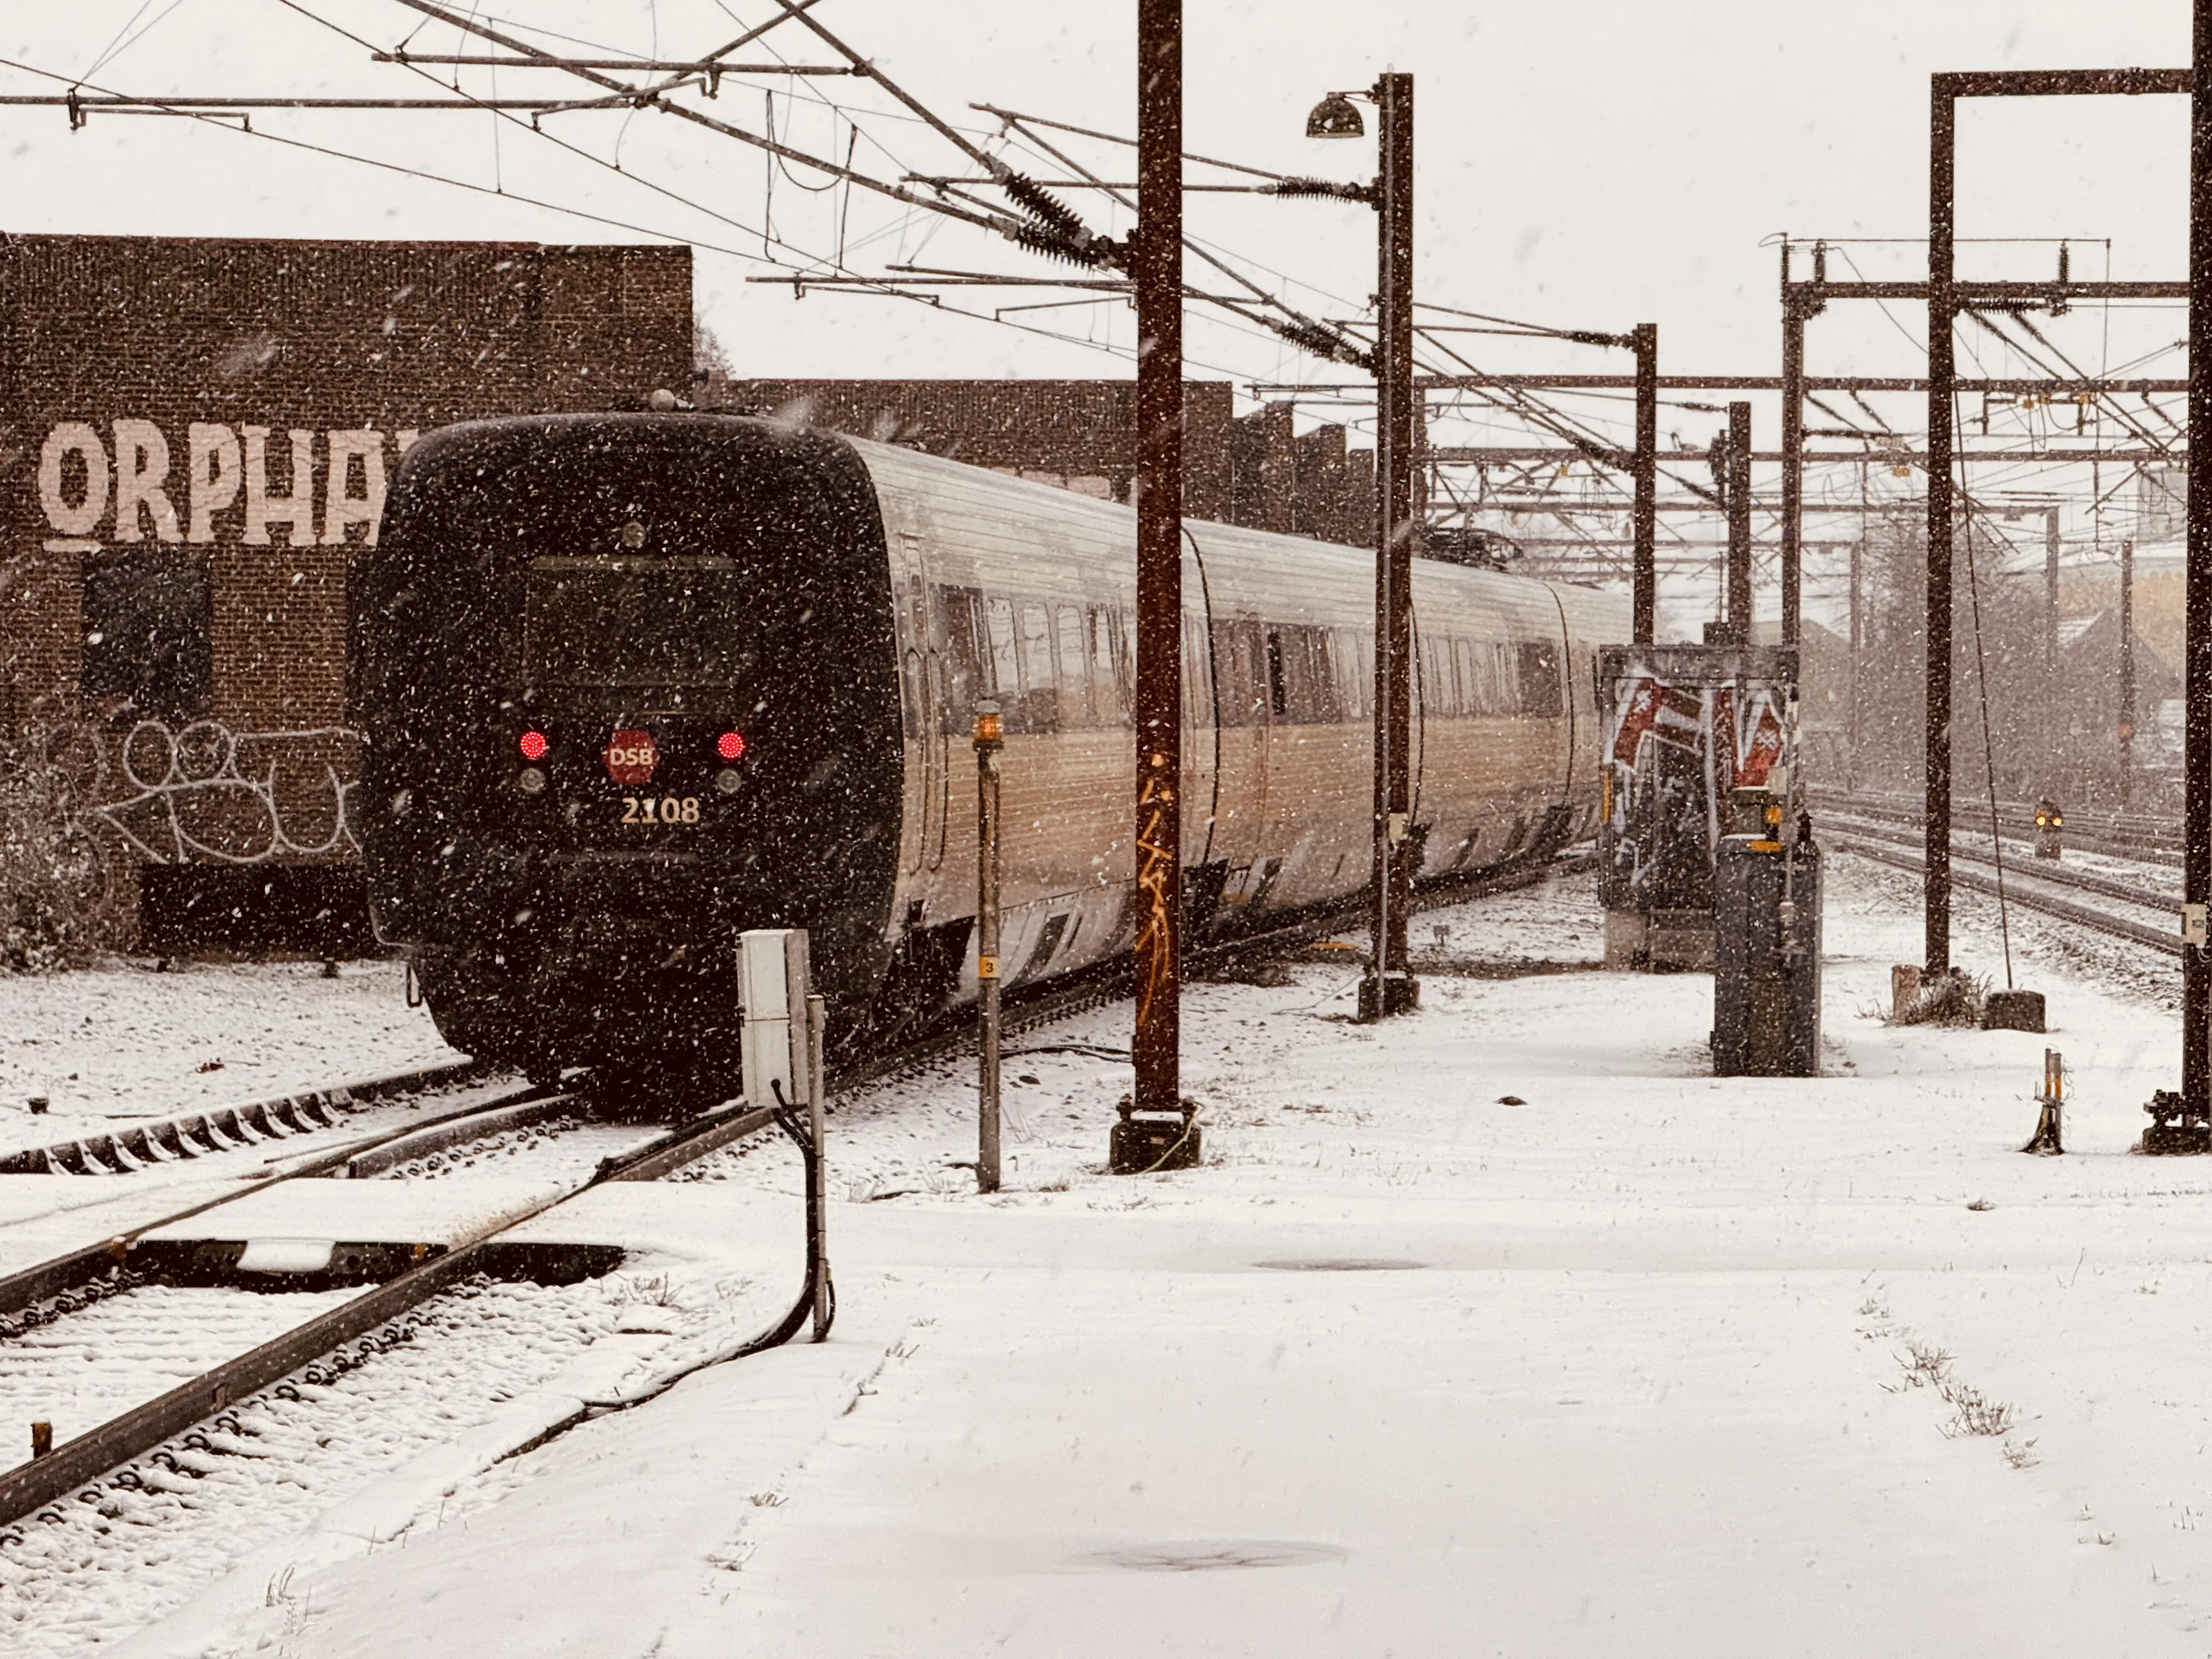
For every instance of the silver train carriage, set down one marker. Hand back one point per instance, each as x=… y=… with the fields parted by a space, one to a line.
x=632 y=683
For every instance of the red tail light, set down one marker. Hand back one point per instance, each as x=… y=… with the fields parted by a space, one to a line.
x=534 y=746
x=730 y=745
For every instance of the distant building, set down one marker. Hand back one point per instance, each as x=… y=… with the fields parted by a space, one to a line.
x=1081 y=436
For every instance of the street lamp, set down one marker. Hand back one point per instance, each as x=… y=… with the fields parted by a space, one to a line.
x=1335 y=117
x=1389 y=987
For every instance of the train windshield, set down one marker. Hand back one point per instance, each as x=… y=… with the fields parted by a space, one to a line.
x=611 y=621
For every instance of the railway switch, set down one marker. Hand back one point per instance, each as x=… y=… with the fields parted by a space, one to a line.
x=2050 y=830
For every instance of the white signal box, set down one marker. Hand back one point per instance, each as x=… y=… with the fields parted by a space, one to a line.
x=2192 y=924
x=773 y=983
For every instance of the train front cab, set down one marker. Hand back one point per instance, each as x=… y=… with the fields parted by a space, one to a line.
x=628 y=688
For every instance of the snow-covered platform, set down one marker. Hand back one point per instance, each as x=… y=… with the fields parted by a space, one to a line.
x=1502 y=1327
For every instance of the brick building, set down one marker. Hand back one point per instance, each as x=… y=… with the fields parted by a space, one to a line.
x=1081 y=434
x=193 y=434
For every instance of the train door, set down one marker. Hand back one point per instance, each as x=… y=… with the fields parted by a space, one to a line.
x=922 y=670
x=937 y=756
x=912 y=631
x=1201 y=723
x=1240 y=677
x=1417 y=735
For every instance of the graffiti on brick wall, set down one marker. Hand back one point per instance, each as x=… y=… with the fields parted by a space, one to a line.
x=88 y=490
x=206 y=793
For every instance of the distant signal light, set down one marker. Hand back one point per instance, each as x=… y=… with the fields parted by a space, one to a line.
x=730 y=745
x=534 y=746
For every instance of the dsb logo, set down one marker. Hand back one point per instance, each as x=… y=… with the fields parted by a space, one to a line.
x=631 y=757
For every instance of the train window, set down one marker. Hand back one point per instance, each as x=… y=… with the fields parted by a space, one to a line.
x=1278 y=691
x=1039 y=708
x=1074 y=681
x=1327 y=707
x=1436 y=696
x=1199 y=669
x=1351 y=688
x=1505 y=683
x=1539 y=679
x=1005 y=679
x=1106 y=690
x=1239 y=673
x=960 y=609
x=1470 y=678
x=596 y=620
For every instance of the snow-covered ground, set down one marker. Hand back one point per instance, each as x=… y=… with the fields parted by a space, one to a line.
x=123 y=1041
x=1498 y=1330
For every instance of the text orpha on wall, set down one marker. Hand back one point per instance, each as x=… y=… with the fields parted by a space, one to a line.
x=124 y=483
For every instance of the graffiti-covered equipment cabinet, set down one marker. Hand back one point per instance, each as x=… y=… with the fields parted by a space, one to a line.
x=1685 y=726
x=198 y=436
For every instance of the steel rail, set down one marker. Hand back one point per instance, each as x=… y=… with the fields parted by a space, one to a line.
x=2081 y=915
x=2086 y=881
x=267 y=1116
x=21 y=1289
x=2149 y=840
x=30 y=1487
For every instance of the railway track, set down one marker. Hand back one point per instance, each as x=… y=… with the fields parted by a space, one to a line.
x=353 y=1330
x=2143 y=840
x=2022 y=887
x=42 y=1296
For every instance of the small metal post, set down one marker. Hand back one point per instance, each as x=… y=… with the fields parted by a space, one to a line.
x=42 y=1440
x=1739 y=523
x=817 y=1195
x=2127 y=733
x=2050 y=1121
x=1644 y=339
x=990 y=740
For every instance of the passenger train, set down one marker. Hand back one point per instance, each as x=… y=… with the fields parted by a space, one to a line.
x=632 y=683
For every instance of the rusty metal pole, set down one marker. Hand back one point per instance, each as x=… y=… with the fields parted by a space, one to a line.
x=1943 y=372
x=1390 y=987
x=1156 y=264
x=990 y=742
x=2197 y=644
x=1739 y=523
x=1793 y=455
x=2127 y=671
x=1859 y=638
x=1644 y=340
x=2054 y=730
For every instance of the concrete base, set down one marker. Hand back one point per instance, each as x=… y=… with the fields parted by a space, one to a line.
x=1144 y=1146
x=1680 y=941
x=1626 y=947
x=1395 y=993
x=2013 y=1011
x=1904 y=988
x=2177 y=1140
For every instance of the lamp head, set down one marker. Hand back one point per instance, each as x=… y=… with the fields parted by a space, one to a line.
x=1335 y=117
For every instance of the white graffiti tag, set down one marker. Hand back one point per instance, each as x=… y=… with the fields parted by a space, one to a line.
x=209 y=794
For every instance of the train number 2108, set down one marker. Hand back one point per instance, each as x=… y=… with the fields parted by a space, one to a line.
x=644 y=809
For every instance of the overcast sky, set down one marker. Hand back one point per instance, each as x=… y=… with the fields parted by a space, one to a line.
x=1591 y=165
